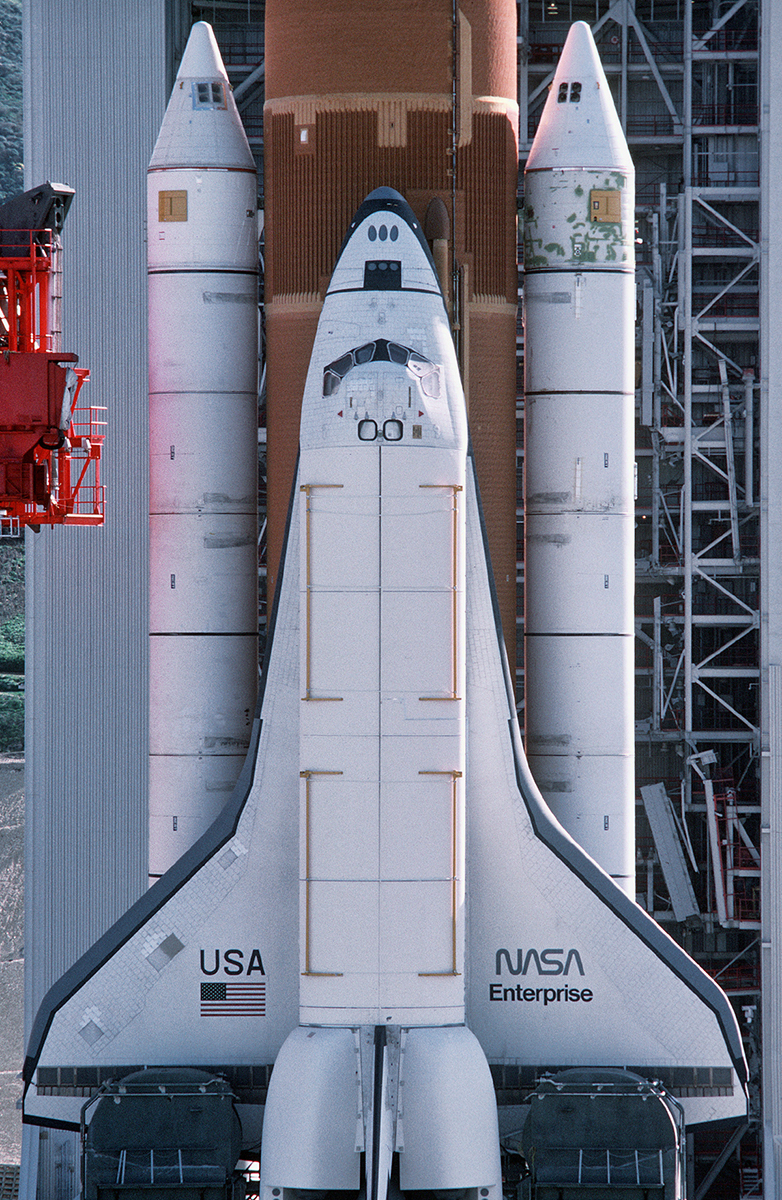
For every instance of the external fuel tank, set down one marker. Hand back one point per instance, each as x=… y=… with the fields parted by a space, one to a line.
x=422 y=98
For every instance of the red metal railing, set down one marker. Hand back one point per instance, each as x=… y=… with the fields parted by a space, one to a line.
x=25 y=273
x=50 y=445
x=725 y=114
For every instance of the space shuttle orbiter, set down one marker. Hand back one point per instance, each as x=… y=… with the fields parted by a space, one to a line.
x=386 y=909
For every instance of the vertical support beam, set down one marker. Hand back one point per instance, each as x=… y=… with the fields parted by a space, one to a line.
x=522 y=58
x=770 y=415
x=657 y=666
x=623 y=77
x=731 y=845
x=659 y=232
x=729 y=462
x=687 y=165
x=716 y=854
x=685 y=299
x=659 y=229
x=647 y=355
x=749 y=436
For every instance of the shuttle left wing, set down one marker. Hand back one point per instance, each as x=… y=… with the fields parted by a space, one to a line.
x=200 y=969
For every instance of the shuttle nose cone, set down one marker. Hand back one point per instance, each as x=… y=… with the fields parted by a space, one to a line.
x=579 y=126
x=386 y=194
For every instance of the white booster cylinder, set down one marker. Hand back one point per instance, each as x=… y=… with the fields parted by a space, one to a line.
x=579 y=306
x=203 y=314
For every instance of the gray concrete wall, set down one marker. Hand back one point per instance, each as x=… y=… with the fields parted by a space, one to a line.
x=11 y=954
x=95 y=92
x=96 y=79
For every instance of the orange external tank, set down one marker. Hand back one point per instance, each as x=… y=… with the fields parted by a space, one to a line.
x=418 y=95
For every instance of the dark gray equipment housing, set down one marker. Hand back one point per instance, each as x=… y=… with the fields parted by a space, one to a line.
x=605 y=1134
x=173 y=1131
x=43 y=207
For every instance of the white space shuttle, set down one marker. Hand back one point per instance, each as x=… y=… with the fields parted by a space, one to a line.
x=386 y=912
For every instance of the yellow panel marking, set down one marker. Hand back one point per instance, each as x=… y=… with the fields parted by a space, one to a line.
x=172 y=206
x=309 y=488
x=605 y=205
x=455 y=489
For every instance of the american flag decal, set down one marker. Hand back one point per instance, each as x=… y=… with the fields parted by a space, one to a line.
x=233 y=999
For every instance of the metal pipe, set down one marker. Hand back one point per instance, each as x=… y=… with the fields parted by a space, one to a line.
x=687 y=147
x=685 y=294
x=749 y=436
x=657 y=666
x=623 y=77
x=716 y=854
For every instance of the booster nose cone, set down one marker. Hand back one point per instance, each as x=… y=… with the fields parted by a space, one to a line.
x=579 y=126
x=202 y=127
x=202 y=55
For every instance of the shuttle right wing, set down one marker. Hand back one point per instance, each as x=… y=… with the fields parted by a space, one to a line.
x=563 y=970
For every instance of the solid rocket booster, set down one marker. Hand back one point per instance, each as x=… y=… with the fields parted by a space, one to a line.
x=579 y=383
x=203 y=261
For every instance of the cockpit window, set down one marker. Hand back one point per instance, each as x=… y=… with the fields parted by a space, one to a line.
x=430 y=379
x=331 y=382
x=392 y=431
x=343 y=365
x=381 y=350
x=383 y=276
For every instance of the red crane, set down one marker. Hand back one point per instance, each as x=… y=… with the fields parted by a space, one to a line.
x=50 y=442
